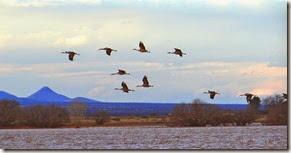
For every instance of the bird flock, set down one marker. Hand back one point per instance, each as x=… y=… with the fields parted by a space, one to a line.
x=142 y=49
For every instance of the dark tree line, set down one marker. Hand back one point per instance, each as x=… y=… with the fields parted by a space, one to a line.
x=44 y=116
x=200 y=113
x=276 y=109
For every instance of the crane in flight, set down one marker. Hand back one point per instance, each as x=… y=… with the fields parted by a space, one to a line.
x=121 y=72
x=248 y=96
x=71 y=54
x=124 y=87
x=212 y=93
x=177 y=52
x=142 y=48
x=108 y=50
x=145 y=83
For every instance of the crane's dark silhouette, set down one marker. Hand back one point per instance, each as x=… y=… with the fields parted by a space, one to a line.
x=142 y=48
x=71 y=54
x=108 y=50
x=145 y=83
x=212 y=93
x=124 y=87
x=121 y=72
x=177 y=52
x=248 y=96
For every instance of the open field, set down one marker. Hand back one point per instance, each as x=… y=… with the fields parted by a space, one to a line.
x=249 y=137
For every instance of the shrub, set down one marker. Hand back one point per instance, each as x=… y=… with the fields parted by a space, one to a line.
x=244 y=117
x=199 y=113
x=46 y=116
x=10 y=111
x=273 y=100
x=278 y=114
x=77 y=109
x=227 y=117
x=101 y=117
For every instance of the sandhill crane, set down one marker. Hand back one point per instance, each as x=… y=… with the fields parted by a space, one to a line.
x=285 y=95
x=142 y=48
x=145 y=83
x=124 y=87
x=248 y=96
x=212 y=93
x=120 y=72
x=108 y=50
x=177 y=52
x=71 y=54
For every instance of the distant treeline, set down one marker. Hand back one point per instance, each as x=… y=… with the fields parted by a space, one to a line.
x=197 y=113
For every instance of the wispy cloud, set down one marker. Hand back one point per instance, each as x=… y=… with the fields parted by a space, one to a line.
x=269 y=87
x=259 y=70
x=72 y=41
x=44 y=3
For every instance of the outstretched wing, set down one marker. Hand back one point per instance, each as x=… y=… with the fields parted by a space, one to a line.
x=141 y=46
x=124 y=86
x=145 y=80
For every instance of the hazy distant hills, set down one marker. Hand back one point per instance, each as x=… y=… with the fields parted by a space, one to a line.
x=44 y=95
x=47 y=96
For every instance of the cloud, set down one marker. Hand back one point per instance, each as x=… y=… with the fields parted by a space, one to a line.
x=72 y=41
x=270 y=87
x=219 y=3
x=4 y=38
x=27 y=3
x=240 y=3
x=250 y=3
x=258 y=70
x=45 y=3
x=103 y=87
x=88 y=2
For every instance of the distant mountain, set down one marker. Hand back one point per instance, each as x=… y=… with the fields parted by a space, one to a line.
x=46 y=94
x=5 y=95
x=82 y=99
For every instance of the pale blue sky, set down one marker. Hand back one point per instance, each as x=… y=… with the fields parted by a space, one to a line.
x=232 y=46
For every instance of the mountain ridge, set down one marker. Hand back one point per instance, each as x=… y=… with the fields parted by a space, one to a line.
x=44 y=95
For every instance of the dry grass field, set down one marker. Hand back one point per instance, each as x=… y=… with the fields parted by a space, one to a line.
x=119 y=121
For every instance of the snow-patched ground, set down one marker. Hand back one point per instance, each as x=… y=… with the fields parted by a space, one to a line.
x=255 y=137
